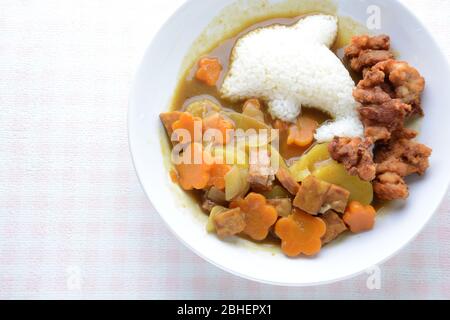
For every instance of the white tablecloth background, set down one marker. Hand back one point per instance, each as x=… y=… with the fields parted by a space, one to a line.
x=74 y=222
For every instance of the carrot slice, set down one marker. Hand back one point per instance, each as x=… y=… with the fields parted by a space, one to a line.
x=300 y=233
x=218 y=122
x=209 y=71
x=217 y=175
x=359 y=218
x=259 y=216
x=302 y=134
x=195 y=175
x=190 y=123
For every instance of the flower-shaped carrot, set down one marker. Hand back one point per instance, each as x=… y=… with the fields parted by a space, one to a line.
x=217 y=175
x=302 y=134
x=259 y=216
x=194 y=175
x=209 y=70
x=359 y=218
x=218 y=122
x=300 y=233
x=190 y=123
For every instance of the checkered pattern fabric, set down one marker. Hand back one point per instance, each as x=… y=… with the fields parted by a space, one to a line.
x=74 y=222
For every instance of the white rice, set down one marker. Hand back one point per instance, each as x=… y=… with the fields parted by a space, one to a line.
x=288 y=67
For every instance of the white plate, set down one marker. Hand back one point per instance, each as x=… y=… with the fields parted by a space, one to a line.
x=154 y=86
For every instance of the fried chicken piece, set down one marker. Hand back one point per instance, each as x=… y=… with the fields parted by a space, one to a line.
x=405 y=133
x=365 y=52
x=390 y=186
x=396 y=160
x=364 y=42
x=371 y=79
x=356 y=156
x=403 y=157
x=377 y=133
x=391 y=79
x=406 y=81
x=389 y=92
x=381 y=121
x=375 y=95
x=369 y=58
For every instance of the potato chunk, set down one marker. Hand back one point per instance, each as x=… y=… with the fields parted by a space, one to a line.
x=307 y=163
x=335 y=173
x=236 y=183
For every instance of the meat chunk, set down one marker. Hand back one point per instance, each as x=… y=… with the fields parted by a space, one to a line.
x=317 y=196
x=287 y=181
x=168 y=119
x=336 y=199
x=390 y=186
x=369 y=58
x=380 y=121
x=335 y=226
x=364 y=42
x=283 y=206
x=311 y=195
x=229 y=223
x=404 y=157
x=207 y=205
x=261 y=175
x=356 y=156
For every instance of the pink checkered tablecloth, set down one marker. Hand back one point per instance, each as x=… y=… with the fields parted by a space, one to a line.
x=74 y=222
